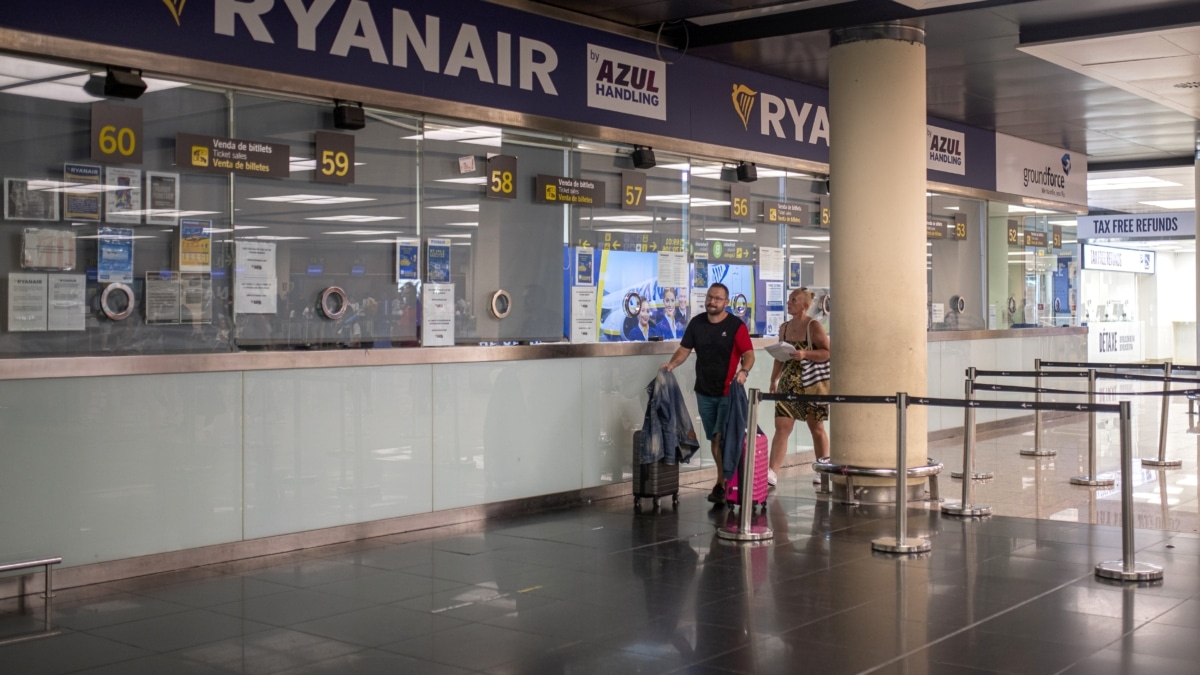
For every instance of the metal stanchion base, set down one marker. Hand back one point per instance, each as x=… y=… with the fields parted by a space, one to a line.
x=1094 y=481
x=1163 y=463
x=978 y=475
x=1034 y=452
x=735 y=533
x=1115 y=569
x=967 y=510
x=894 y=545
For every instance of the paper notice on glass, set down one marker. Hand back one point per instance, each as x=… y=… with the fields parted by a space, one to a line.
x=696 y=301
x=162 y=198
x=938 y=312
x=124 y=192
x=114 y=255
x=774 y=321
x=44 y=248
x=437 y=324
x=162 y=297
x=66 y=308
x=583 y=314
x=195 y=298
x=672 y=269
x=255 y=281
x=81 y=196
x=774 y=292
x=26 y=302
x=770 y=263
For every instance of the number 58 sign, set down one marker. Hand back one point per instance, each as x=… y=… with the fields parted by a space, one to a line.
x=335 y=158
x=116 y=134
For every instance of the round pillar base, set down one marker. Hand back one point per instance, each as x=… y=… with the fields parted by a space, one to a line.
x=894 y=545
x=967 y=510
x=1163 y=463
x=1038 y=452
x=978 y=475
x=735 y=533
x=1115 y=569
x=1094 y=481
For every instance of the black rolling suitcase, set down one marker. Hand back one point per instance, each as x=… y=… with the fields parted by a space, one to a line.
x=654 y=480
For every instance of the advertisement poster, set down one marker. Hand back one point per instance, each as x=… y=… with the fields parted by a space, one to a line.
x=794 y=274
x=162 y=297
x=124 y=194
x=700 y=272
x=255 y=284
x=26 y=302
x=23 y=203
x=438 y=251
x=437 y=328
x=44 y=248
x=408 y=255
x=162 y=198
x=114 y=255
x=81 y=196
x=585 y=266
x=67 y=293
x=195 y=245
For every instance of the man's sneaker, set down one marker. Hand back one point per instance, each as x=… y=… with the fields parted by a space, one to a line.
x=717 y=496
x=772 y=479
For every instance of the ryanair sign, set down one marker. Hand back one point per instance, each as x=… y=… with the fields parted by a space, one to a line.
x=781 y=117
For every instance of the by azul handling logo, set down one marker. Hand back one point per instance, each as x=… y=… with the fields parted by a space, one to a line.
x=1066 y=163
x=176 y=7
x=777 y=112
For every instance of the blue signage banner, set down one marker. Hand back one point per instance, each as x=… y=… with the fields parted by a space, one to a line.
x=474 y=52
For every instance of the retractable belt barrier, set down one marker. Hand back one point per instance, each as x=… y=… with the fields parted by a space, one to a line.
x=1126 y=569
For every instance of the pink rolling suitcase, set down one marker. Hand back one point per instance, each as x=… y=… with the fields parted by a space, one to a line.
x=762 y=455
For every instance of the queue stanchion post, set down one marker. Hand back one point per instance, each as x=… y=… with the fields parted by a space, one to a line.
x=1092 y=479
x=1127 y=568
x=975 y=475
x=745 y=530
x=1161 y=462
x=966 y=508
x=901 y=543
x=1037 y=450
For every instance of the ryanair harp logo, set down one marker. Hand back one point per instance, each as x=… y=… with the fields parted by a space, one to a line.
x=176 y=7
x=743 y=102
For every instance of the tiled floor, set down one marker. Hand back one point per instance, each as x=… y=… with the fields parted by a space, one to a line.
x=596 y=589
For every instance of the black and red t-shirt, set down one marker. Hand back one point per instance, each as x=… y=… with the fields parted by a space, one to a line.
x=719 y=348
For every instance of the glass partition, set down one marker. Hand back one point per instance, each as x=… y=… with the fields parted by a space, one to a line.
x=1031 y=268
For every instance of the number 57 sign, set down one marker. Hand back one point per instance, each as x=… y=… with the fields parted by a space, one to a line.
x=335 y=158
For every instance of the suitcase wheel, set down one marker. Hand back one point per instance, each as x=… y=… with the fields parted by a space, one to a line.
x=675 y=499
x=656 y=502
x=637 y=505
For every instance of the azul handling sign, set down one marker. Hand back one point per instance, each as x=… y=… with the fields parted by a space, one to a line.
x=626 y=83
x=947 y=150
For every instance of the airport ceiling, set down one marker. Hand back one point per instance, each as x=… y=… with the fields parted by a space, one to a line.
x=1118 y=80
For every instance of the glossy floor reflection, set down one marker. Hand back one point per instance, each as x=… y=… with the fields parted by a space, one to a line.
x=596 y=589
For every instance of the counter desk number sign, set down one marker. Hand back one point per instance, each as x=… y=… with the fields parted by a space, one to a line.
x=502 y=177
x=116 y=134
x=335 y=158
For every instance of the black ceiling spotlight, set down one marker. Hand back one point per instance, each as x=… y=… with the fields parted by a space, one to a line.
x=747 y=172
x=123 y=83
x=643 y=157
x=347 y=115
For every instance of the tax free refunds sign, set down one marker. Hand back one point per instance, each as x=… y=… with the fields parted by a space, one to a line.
x=1137 y=226
x=489 y=55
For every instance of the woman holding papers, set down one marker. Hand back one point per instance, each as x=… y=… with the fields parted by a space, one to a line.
x=801 y=367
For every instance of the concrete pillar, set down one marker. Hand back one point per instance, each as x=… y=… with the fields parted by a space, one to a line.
x=877 y=245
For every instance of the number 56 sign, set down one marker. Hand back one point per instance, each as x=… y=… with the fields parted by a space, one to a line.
x=116 y=134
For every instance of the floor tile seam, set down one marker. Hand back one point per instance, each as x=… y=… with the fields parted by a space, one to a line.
x=971 y=626
x=183 y=609
x=1105 y=647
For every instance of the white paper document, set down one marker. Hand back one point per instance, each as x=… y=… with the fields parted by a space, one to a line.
x=781 y=351
x=437 y=324
x=583 y=314
x=770 y=261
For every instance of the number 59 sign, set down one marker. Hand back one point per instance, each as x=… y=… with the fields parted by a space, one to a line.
x=116 y=134
x=335 y=158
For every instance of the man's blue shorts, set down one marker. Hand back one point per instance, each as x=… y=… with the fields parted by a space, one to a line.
x=714 y=410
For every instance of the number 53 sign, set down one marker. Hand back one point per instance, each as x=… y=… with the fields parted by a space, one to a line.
x=335 y=158
x=116 y=134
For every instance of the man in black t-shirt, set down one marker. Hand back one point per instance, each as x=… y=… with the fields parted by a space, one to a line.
x=722 y=344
